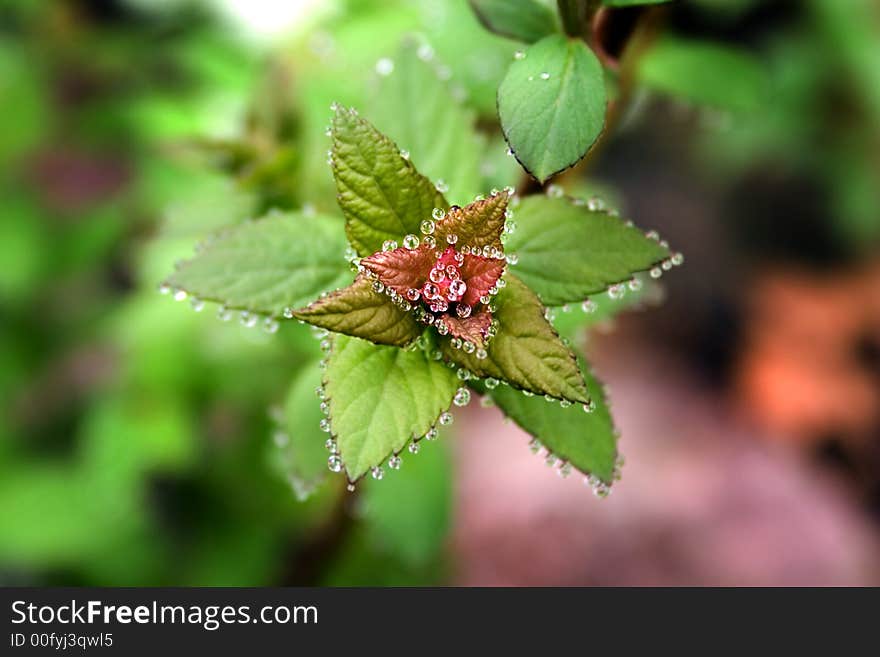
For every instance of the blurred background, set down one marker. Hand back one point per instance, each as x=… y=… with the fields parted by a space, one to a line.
x=144 y=443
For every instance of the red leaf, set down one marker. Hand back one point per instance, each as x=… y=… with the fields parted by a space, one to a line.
x=480 y=274
x=473 y=328
x=401 y=269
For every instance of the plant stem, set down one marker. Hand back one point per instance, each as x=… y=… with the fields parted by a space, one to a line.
x=572 y=18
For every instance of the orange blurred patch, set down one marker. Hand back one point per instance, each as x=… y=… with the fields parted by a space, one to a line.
x=803 y=373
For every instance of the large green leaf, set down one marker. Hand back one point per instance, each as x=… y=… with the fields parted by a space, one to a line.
x=587 y=440
x=523 y=20
x=266 y=266
x=299 y=442
x=526 y=352
x=380 y=192
x=407 y=514
x=566 y=252
x=417 y=109
x=552 y=105
x=706 y=73
x=359 y=311
x=380 y=398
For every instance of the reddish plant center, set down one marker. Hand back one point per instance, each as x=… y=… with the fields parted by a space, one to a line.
x=445 y=286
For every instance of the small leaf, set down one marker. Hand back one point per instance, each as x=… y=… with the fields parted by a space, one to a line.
x=299 y=442
x=586 y=440
x=566 y=252
x=402 y=269
x=380 y=398
x=478 y=224
x=523 y=20
x=552 y=105
x=419 y=111
x=281 y=261
x=526 y=352
x=473 y=329
x=481 y=274
x=358 y=310
x=706 y=73
x=381 y=194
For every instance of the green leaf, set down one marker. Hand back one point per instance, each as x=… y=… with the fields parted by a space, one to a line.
x=526 y=352
x=417 y=109
x=552 y=105
x=587 y=440
x=706 y=73
x=380 y=192
x=299 y=450
x=266 y=266
x=523 y=20
x=359 y=311
x=566 y=252
x=407 y=514
x=571 y=320
x=380 y=398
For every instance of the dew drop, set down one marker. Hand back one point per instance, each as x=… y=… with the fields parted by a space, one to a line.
x=519 y=55
x=324 y=425
x=427 y=226
x=445 y=419
x=463 y=374
x=180 y=295
x=441 y=186
x=270 y=325
x=616 y=291
x=468 y=347
x=512 y=259
x=247 y=319
x=535 y=445
x=404 y=154
x=335 y=463
x=224 y=314
x=656 y=272
x=164 y=288
x=330 y=445
x=394 y=462
x=451 y=238
x=491 y=383
x=288 y=313
x=377 y=473
x=389 y=245
x=378 y=286
x=411 y=242
x=635 y=284
x=589 y=407
x=462 y=397
x=385 y=66
x=677 y=259
x=545 y=76
x=432 y=434
x=414 y=448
